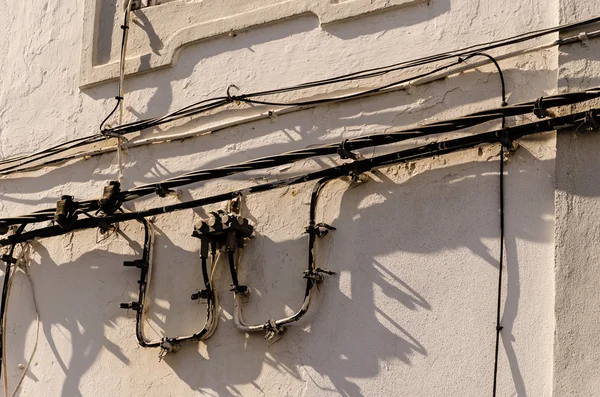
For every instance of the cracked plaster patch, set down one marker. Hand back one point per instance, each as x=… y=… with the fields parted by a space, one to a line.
x=158 y=32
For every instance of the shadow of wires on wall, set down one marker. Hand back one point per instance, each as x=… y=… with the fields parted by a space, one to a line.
x=382 y=290
x=432 y=213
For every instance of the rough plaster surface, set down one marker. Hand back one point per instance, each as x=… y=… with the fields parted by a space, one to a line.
x=411 y=311
x=576 y=356
x=158 y=32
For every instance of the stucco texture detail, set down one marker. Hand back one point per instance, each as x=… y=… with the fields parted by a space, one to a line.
x=577 y=358
x=411 y=310
x=158 y=32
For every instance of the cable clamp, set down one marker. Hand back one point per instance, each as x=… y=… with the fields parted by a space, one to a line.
x=110 y=200
x=167 y=345
x=139 y=263
x=65 y=215
x=9 y=259
x=163 y=192
x=345 y=153
x=131 y=305
x=317 y=274
x=319 y=230
x=499 y=328
x=585 y=40
x=539 y=110
x=206 y=294
x=124 y=27
x=273 y=331
x=240 y=289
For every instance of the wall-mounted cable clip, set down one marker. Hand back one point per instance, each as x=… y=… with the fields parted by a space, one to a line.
x=320 y=229
x=345 y=153
x=539 y=110
x=163 y=192
x=65 y=214
x=167 y=345
x=273 y=331
x=317 y=274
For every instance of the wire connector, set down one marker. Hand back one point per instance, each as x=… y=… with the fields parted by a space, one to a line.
x=110 y=201
x=65 y=214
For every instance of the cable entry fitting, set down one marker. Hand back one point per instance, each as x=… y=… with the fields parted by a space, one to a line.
x=168 y=344
x=313 y=275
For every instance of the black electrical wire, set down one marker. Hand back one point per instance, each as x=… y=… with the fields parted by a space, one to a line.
x=313 y=274
x=500 y=268
x=119 y=98
x=369 y=73
x=360 y=142
x=213 y=103
x=356 y=167
x=145 y=267
x=9 y=260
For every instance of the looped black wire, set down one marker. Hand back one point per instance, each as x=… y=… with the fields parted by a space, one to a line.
x=539 y=110
x=232 y=98
x=106 y=131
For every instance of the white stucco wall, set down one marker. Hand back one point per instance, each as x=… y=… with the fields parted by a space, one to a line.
x=411 y=311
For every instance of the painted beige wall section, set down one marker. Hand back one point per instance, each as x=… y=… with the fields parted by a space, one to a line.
x=158 y=32
x=576 y=353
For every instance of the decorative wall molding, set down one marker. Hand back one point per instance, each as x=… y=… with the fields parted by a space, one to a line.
x=158 y=32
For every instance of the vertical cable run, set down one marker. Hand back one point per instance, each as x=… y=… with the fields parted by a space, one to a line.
x=500 y=269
